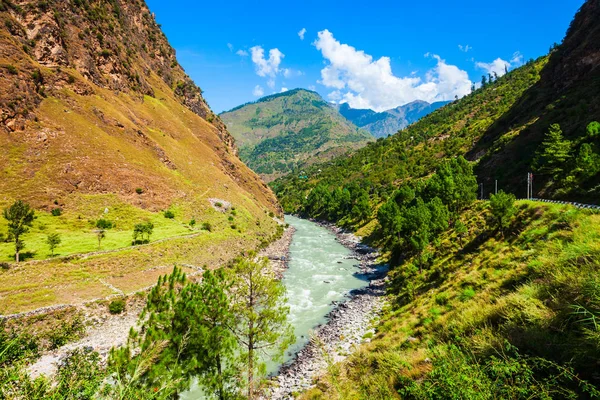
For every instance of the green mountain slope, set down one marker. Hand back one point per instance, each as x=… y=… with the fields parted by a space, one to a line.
x=382 y=124
x=415 y=152
x=487 y=299
x=291 y=130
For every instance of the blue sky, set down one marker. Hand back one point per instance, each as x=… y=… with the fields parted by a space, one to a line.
x=378 y=54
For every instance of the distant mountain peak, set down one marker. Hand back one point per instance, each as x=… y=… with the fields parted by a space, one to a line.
x=382 y=124
x=283 y=131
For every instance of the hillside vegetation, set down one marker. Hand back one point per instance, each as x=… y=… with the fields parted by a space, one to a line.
x=489 y=315
x=291 y=130
x=495 y=299
x=99 y=121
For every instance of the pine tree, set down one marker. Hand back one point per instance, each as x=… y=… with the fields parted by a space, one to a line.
x=554 y=152
x=503 y=208
x=260 y=310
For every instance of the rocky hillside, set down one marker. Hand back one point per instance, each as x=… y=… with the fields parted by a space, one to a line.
x=382 y=124
x=291 y=130
x=568 y=94
x=98 y=120
x=93 y=100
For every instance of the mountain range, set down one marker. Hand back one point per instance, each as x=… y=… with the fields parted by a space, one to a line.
x=289 y=130
x=385 y=123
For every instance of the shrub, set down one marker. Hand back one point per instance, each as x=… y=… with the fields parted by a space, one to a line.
x=139 y=190
x=441 y=299
x=5 y=266
x=116 y=306
x=12 y=69
x=467 y=294
x=218 y=204
x=192 y=222
x=56 y=211
x=104 y=224
x=169 y=214
x=230 y=218
x=207 y=226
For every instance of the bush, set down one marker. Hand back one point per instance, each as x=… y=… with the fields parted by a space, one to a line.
x=56 y=211
x=218 y=204
x=12 y=69
x=139 y=190
x=207 y=226
x=116 y=306
x=169 y=214
x=467 y=294
x=104 y=224
x=192 y=223
x=441 y=299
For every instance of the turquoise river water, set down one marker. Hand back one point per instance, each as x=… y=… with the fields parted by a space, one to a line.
x=318 y=274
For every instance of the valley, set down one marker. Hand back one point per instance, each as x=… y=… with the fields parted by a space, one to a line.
x=396 y=230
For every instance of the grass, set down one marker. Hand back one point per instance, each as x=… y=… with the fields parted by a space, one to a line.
x=508 y=317
x=80 y=273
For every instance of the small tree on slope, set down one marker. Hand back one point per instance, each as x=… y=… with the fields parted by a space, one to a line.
x=20 y=217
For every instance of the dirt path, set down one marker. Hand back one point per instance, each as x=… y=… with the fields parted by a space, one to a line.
x=109 y=331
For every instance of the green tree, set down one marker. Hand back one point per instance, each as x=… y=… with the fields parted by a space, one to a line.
x=416 y=228
x=461 y=231
x=587 y=163
x=205 y=314
x=554 y=152
x=454 y=183
x=362 y=207
x=151 y=358
x=390 y=219
x=593 y=129
x=100 y=236
x=502 y=206
x=142 y=232
x=53 y=240
x=20 y=217
x=259 y=306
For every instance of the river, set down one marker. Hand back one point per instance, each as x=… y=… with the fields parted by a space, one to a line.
x=319 y=273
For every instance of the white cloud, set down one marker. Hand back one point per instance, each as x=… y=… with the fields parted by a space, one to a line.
x=465 y=48
x=242 y=53
x=517 y=59
x=312 y=87
x=500 y=66
x=271 y=83
x=301 y=33
x=230 y=46
x=284 y=89
x=290 y=73
x=264 y=66
x=364 y=82
x=258 y=91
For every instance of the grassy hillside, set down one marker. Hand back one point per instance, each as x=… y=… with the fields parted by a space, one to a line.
x=491 y=316
x=487 y=299
x=99 y=120
x=291 y=130
x=415 y=152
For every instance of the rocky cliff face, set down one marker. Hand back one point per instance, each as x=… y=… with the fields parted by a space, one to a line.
x=93 y=101
x=111 y=44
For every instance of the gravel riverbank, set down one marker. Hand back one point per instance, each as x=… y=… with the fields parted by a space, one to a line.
x=346 y=327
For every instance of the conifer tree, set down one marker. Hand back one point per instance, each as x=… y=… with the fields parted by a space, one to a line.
x=554 y=152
